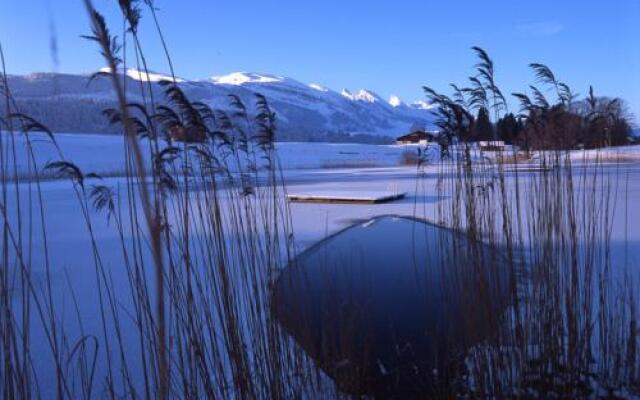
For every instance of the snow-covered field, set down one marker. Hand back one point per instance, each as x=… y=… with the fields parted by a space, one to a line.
x=104 y=155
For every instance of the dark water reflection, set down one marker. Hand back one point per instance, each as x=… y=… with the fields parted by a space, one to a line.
x=389 y=307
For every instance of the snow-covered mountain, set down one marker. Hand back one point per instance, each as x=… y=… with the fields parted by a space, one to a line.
x=73 y=103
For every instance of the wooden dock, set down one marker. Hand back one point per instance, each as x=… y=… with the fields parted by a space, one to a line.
x=355 y=197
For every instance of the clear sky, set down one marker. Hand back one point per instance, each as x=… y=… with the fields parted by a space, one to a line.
x=391 y=47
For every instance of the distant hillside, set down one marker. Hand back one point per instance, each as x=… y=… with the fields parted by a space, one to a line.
x=73 y=103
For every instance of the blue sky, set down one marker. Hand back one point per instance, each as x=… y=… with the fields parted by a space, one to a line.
x=391 y=47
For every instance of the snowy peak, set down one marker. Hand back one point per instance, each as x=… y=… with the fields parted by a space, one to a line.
x=346 y=93
x=248 y=78
x=144 y=76
x=394 y=101
x=362 y=95
x=365 y=95
x=242 y=78
x=422 y=105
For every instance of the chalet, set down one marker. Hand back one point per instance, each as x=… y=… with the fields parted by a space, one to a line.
x=491 y=145
x=416 y=137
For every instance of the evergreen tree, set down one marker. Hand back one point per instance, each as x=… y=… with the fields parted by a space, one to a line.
x=483 y=126
x=508 y=128
x=619 y=132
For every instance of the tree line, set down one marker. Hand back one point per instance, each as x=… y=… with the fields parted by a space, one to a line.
x=479 y=112
x=599 y=122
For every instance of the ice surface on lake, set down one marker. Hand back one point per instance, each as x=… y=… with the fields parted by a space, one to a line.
x=70 y=248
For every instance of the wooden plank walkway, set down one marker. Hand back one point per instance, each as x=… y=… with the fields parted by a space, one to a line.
x=363 y=197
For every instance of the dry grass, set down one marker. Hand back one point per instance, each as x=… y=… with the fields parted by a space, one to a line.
x=409 y=157
x=571 y=331
x=507 y=158
x=198 y=262
x=566 y=327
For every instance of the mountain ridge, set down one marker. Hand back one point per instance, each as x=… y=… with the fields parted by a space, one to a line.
x=74 y=103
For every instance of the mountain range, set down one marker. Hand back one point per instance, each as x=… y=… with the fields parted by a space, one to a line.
x=73 y=103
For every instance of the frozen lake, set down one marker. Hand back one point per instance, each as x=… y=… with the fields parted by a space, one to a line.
x=71 y=257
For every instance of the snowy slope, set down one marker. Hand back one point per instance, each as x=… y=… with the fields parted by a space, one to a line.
x=72 y=103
